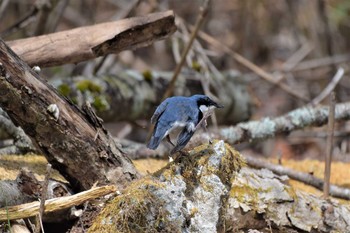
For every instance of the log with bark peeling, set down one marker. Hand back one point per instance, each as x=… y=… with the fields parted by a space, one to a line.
x=81 y=44
x=82 y=151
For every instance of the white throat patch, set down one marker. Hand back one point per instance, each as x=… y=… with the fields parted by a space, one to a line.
x=205 y=109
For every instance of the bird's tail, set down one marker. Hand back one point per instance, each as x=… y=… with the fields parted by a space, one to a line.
x=154 y=142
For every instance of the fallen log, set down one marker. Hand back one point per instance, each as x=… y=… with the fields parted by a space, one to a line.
x=84 y=43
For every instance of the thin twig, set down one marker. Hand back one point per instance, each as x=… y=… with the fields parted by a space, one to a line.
x=243 y=61
x=123 y=15
x=43 y=198
x=330 y=87
x=21 y=23
x=298 y=56
x=329 y=147
x=306 y=178
x=321 y=62
x=322 y=10
x=3 y=7
x=45 y=9
x=200 y=19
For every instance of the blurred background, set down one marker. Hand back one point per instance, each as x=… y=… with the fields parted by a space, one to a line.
x=301 y=43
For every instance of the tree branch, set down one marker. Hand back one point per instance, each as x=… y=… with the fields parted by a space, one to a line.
x=84 y=43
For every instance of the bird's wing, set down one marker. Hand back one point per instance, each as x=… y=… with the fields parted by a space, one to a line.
x=159 y=111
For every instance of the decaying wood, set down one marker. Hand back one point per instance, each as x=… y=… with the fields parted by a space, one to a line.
x=81 y=151
x=81 y=44
x=140 y=93
x=208 y=190
x=32 y=209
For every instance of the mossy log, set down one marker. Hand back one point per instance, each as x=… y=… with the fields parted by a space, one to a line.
x=138 y=94
x=210 y=190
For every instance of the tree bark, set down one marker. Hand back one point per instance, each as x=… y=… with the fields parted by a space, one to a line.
x=84 y=43
x=77 y=146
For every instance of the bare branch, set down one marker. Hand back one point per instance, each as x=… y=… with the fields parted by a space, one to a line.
x=297 y=119
x=329 y=147
x=98 y=40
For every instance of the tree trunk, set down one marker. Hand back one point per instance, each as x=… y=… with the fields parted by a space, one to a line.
x=73 y=142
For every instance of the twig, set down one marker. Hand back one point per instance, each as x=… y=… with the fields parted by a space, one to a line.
x=55 y=204
x=299 y=55
x=21 y=23
x=306 y=178
x=329 y=147
x=321 y=62
x=124 y=14
x=43 y=198
x=243 y=61
x=200 y=19
x=56 y=16
x=44 y=7
x=330 y=87
x=3 y=7
x=326 y=29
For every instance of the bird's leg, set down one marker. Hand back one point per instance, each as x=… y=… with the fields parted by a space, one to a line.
x=203 y=124
x=169 y=140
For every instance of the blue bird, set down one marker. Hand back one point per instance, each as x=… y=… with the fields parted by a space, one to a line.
x=179 y=112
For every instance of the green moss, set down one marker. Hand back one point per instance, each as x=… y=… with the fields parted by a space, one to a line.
x=196 y=66
x=136 y=210
x=231 y=163
x=88 y=85
x=64 y=89
x=100 y=103
x=147 y=75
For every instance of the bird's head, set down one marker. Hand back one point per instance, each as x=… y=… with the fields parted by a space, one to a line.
x=204 y=103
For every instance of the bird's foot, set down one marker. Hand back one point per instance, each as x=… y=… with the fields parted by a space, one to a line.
x=169 y=140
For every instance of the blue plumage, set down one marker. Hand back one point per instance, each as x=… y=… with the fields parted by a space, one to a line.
x=179 y=112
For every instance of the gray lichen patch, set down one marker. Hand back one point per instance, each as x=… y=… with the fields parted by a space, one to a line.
x=262 y=200
x=185 y=196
